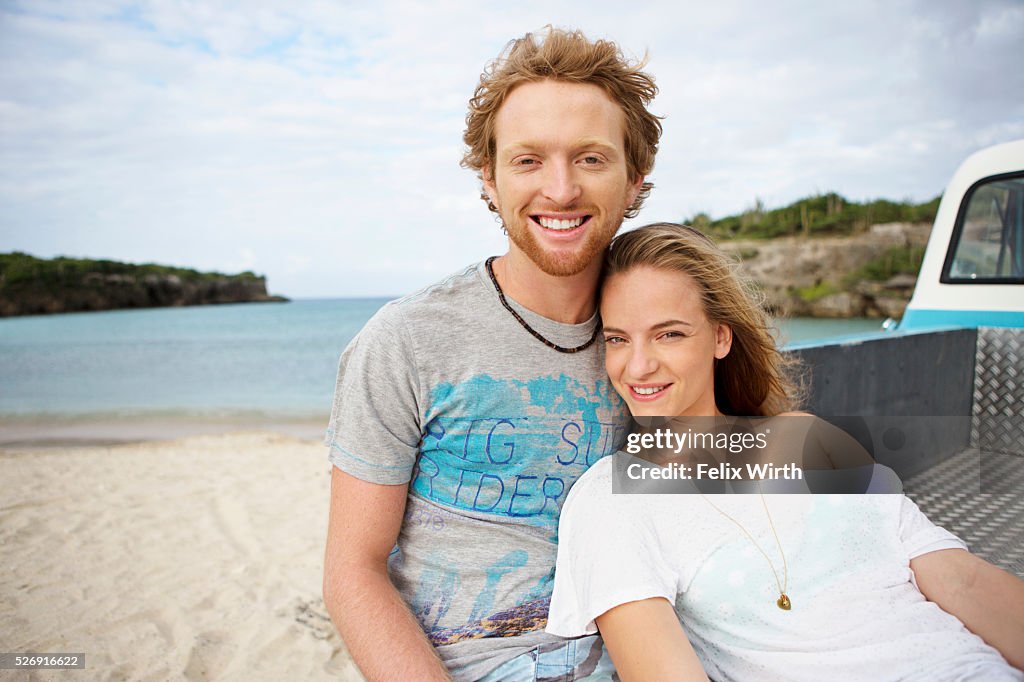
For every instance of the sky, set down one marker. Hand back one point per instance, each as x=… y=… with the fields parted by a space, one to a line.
x=318 y=143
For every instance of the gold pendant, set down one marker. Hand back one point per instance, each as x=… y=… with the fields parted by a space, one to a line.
x=783 y=602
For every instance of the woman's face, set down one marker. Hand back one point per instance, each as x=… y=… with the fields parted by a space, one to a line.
x=660 y=348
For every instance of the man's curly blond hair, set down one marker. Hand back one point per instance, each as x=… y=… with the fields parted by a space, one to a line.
x=570 y=57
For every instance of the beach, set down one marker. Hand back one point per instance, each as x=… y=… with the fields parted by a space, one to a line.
x=198 y=558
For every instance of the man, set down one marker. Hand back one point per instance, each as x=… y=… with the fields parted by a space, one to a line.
x=463 y=413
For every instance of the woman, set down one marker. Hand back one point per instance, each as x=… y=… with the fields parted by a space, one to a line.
x=755 y=587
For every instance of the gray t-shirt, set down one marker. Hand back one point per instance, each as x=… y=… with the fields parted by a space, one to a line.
x=445 y=390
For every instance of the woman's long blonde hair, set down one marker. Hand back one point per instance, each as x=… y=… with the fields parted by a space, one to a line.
x=754 y=379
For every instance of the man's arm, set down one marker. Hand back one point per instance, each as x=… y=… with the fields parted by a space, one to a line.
x=988 y=600
x=647 y=642
x=384 y=638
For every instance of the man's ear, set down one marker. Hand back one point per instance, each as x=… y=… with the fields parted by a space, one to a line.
x=487 y=176
x=723 y=340
x=634 y=189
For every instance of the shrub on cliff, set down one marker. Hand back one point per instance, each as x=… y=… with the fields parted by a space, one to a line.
x=30 y=285
x=824 y=214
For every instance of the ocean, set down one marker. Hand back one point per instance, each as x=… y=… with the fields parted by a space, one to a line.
x=245 y=362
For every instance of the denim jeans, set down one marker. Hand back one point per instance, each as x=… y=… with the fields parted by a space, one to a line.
x=584 y=658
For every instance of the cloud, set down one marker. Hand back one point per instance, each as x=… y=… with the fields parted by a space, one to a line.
x=323 y=140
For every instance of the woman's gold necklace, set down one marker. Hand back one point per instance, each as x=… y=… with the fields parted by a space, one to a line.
x=783 y=601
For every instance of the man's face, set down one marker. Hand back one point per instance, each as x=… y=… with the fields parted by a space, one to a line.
x=560 y=179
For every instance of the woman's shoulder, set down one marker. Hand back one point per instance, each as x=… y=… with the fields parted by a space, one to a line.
x=597 y=480
x=601 y=490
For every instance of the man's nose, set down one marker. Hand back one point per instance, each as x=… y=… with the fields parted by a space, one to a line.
x=561 y=186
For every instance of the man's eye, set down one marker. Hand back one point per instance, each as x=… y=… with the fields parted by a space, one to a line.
x=673 y=335
x=591 y=160
x=525 y=162
x=614 y=340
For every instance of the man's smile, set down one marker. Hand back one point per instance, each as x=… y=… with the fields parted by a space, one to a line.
x=559 y=223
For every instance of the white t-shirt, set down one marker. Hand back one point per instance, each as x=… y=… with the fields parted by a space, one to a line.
x=856 y=612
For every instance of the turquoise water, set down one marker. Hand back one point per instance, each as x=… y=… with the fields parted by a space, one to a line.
x=818 y=330
x=252 y=359
x=270 y=357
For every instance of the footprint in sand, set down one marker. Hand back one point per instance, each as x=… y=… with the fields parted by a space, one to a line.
x=312 y=615
x=211 y=653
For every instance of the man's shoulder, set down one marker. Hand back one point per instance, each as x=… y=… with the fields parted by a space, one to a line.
x=435 y=302
x=466 y=282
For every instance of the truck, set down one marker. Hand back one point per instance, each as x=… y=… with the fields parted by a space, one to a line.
x=939 y=396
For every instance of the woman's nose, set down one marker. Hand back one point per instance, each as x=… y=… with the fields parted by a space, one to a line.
x=642 y=362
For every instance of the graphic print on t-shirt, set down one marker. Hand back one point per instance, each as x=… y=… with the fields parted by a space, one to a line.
x=520 y=450
x=499 y=454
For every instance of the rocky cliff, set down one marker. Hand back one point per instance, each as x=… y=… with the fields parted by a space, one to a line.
x=30 y=286
x=869 y=274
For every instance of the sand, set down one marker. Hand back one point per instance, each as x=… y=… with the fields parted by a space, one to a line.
x=199 y=559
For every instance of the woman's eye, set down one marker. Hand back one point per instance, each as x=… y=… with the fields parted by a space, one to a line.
x=673 y=335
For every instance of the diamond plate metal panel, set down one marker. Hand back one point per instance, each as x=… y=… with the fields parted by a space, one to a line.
x=977 y=497
x=998 y=413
